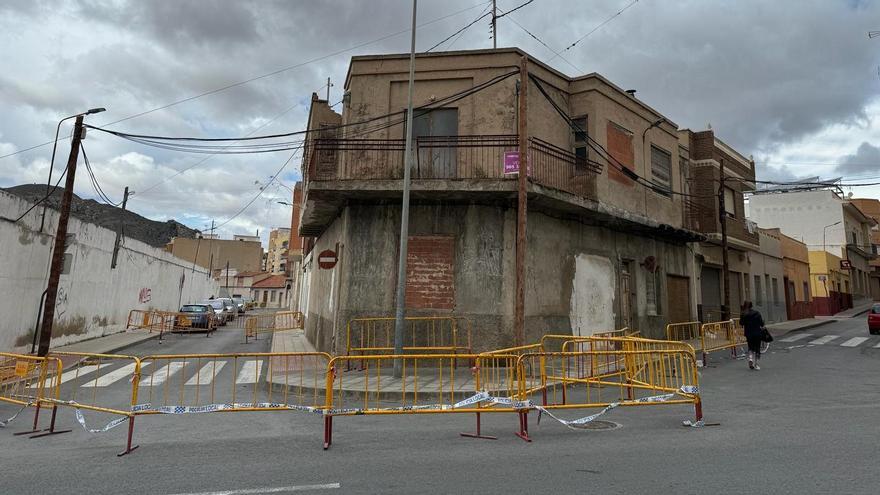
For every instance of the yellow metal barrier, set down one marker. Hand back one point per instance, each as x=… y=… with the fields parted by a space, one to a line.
x=428 y=383
x=424 y=335
x=553 y=379
x=272 y=322
x=26 y=380
x=684 y=332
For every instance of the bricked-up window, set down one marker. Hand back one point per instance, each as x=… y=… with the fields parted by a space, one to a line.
x=430 y=272
x=580 y=146
x=620 y=147
x=661 y=168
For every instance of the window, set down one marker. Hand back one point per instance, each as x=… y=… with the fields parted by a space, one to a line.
x=855 y=239
x=272 y=296
x=661 y=168
x=651 y=294
x=759 y=301
x=436 y=158
x=729 y=202
x=580 y=146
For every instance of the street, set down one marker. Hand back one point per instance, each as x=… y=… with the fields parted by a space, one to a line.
x=806 y=423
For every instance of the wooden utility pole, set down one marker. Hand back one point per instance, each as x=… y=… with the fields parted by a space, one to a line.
x=494 y=25
x=328 y=89
x=119 y=230
x=522 y=204
x=725 y=263
x=60 y=241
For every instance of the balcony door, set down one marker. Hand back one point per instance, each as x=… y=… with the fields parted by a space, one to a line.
x=435 y=136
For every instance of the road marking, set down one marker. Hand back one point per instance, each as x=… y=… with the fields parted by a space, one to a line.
x=82 y=370
x=824 y=340
x=277 y=489
x=853 y=341
x=207 y=374
x=877 y=346
x=162 y=374
x=795 y=338
x=250 y=371
x=112 y=377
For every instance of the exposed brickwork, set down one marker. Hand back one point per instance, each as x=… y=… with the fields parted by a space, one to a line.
x=620 y=146
x=430 y=272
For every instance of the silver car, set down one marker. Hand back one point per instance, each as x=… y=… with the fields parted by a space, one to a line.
x=220 y=310
x=230 y=307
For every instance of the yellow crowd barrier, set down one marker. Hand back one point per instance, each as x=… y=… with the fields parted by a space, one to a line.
x=25 y=381
x=424 y=335
x=273 y=322
x=708 y=337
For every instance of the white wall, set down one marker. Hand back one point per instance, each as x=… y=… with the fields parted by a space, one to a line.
x=93 y=300
x=592 y=297
x=802 y=215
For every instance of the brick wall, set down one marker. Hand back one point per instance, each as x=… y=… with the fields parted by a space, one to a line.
x=430 y=272
x=620 y=146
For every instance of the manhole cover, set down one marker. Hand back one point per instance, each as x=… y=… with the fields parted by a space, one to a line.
x=599 y=424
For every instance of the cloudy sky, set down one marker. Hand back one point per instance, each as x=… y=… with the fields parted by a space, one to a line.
x=794 y=83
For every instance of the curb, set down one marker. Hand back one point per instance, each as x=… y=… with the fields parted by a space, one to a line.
x=808 y=327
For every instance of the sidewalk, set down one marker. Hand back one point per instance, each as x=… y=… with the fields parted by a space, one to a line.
x=291 y=341
x=855 y=311
x=785 y=327
x=108 y=344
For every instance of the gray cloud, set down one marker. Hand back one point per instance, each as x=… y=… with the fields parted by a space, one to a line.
x=865 y=159
x=764 y=74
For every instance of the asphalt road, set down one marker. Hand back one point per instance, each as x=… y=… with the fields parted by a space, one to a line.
x=808 y=422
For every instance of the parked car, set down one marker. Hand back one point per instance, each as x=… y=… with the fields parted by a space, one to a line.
x=239 y=304
x=220 y=310
x=230 y=307
x=199 y=316
x=874 y=319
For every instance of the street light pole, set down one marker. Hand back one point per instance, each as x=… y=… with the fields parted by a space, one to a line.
x=399 y=321
x=825 y=229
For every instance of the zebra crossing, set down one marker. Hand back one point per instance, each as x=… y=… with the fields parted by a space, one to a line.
x=156 y=374
x=834 y=340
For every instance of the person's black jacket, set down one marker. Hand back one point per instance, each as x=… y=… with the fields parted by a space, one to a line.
x=752 y=323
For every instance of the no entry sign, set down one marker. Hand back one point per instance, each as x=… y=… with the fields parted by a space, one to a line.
x=327 y=259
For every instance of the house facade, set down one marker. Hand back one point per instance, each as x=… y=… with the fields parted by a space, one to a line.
x=603 y=251
x=796 y=277
x=871 y=208
x=271 y=292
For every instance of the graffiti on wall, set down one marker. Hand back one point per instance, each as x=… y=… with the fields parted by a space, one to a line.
x=145 y=295
x=61 y=302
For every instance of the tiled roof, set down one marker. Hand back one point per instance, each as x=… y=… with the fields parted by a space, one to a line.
x=275 y=281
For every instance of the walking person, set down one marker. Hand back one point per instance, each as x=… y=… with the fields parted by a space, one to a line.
x=753 y=325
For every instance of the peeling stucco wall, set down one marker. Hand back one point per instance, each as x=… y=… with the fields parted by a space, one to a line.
x=592 y=295
x=93 y=300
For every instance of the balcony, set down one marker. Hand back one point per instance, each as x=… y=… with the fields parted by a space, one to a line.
x=700 y=217
x=448 y=167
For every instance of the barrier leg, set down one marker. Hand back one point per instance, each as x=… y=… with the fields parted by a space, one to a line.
x=698 y=409
x=478 y=433
x=705 y=359
x=128 y=447
x=524 y=426
x=328 y=431
x=34 y=429
x=51 y=430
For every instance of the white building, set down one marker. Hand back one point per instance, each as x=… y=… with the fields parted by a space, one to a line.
x=823 y=220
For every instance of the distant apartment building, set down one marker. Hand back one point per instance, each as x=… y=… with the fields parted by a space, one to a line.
x=871 y=208
x=277 y=251
x=823 y=220
x=603 y=251
x=214 y=254
x=754 y=258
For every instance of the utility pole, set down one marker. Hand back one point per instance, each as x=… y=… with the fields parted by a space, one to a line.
x=119 y=231
x=400 y=314
x=725 y=262
x=494 y=25
x=60 y=241
x=522 y=204
x=328 y=89
x=227 y=278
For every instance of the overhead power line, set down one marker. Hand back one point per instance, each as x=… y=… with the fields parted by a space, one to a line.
x=462 y=30
x=606 y=21
x=262 y=76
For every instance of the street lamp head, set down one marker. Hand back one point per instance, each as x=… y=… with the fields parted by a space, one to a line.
x=95 y=110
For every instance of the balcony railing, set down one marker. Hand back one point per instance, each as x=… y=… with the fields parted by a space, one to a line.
x=450 y=157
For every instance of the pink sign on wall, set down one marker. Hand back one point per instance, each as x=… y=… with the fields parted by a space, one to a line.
x=511 y=163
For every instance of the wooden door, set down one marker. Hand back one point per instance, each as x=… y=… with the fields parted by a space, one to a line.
x=678 y=298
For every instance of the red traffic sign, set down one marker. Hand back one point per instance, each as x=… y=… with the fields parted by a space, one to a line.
x=845 y=264
x=327 y=259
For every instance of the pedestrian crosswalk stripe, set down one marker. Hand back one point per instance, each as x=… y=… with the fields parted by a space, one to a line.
x=824 y=340
x=162 y=374
x=207 y=374
x=854 y=341
x=112 y=377
x=79 y=372
x=877 y=346
x=250 y=371
x=796 y=337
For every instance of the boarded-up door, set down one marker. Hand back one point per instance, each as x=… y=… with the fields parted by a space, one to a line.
x=678 y=298
x=592 y=297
